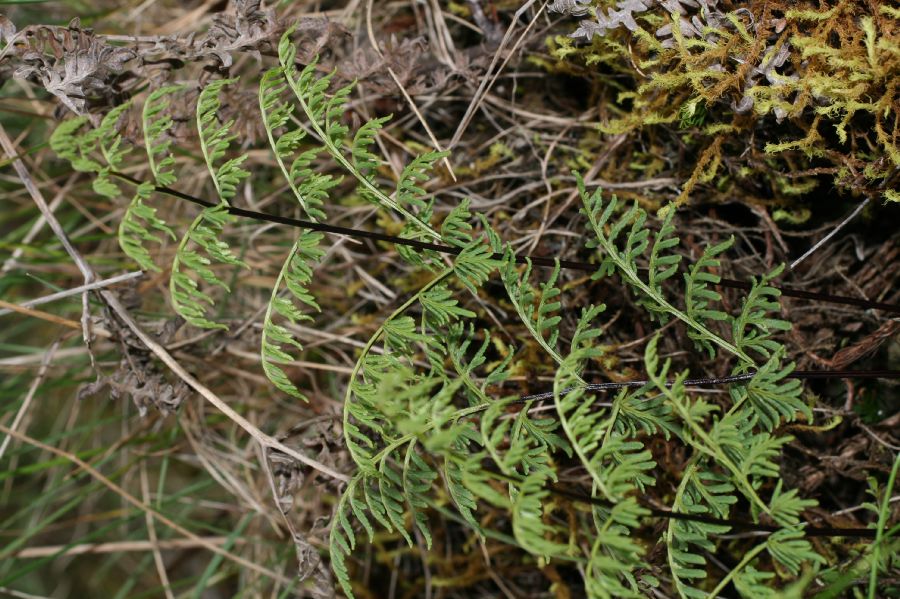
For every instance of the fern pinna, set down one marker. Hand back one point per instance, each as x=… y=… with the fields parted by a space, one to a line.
x=425 y=421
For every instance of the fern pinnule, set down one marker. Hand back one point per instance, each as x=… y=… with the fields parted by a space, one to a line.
x=140 y=218
x=75 y=146
x=418 y=478
x=529 y=523
x=456 y=229
x=585 y=426
x=324 y=114
x=365 y=161
x=215 y=139
x=296 y=274
x=136 y=225
x=409 y=191
x=191 y=266
x=309 y=188
x=752 y=329
x=474 y=264
x=615 y=554
x=342 y=538
x=204 y=232
x=699 y=297
x=112 y=147
x=156 y=124
x=773 y=397
x=791 y=550
x=687 y=541
x=523 y=295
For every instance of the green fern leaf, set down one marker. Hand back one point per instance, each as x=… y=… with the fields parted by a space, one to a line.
x=752 y=330
x=325 y=113
x=528 y=520
x=310 y=188
x=456 y=230
x=296 y=274
x=204 y=233
x=699 y=297
x=193 y=265
x=140 y=218
x=135 y=229
x=215 y=139
x=156 y=123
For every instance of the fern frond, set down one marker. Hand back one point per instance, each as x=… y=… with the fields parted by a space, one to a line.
x=296 y=274
x=156 y=123
x=585 y=425
x=215 y=139
x=191 y=265
x=699 y=297
x=523 y=295
x=310 y=188
x=140 y=218
x=621 y=257
x=136 y=225
x=324 y=114
x=530 y=529
x=752 y=329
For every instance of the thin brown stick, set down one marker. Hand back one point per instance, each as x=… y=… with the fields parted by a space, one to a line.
x=137 y=503
x=86 y=271
x=535 y=260
x=29 y=397
x=151 y=532
x=120 y=546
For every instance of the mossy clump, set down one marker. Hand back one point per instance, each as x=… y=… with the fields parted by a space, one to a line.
x=800 y=92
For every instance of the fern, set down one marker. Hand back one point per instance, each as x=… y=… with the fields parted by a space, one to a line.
x=136 y=225
x=310 y=188
x=140 y=224
x=622 y=258
x=752 y=329
x=585 y=426
x=113 y=149
x=140 y=218
x=528 y=520
x=74 y=147
x=523 y=295
x=296 y=274
x=191 y=266
x=699 y=298
x=324 y=116
x=423 y=403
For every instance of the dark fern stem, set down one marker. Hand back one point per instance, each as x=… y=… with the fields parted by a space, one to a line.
x=535 y=260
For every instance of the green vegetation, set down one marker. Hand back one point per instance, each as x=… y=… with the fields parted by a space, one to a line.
x=421 y=410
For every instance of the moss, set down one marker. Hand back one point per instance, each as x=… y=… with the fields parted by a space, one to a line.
x=811 y=84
